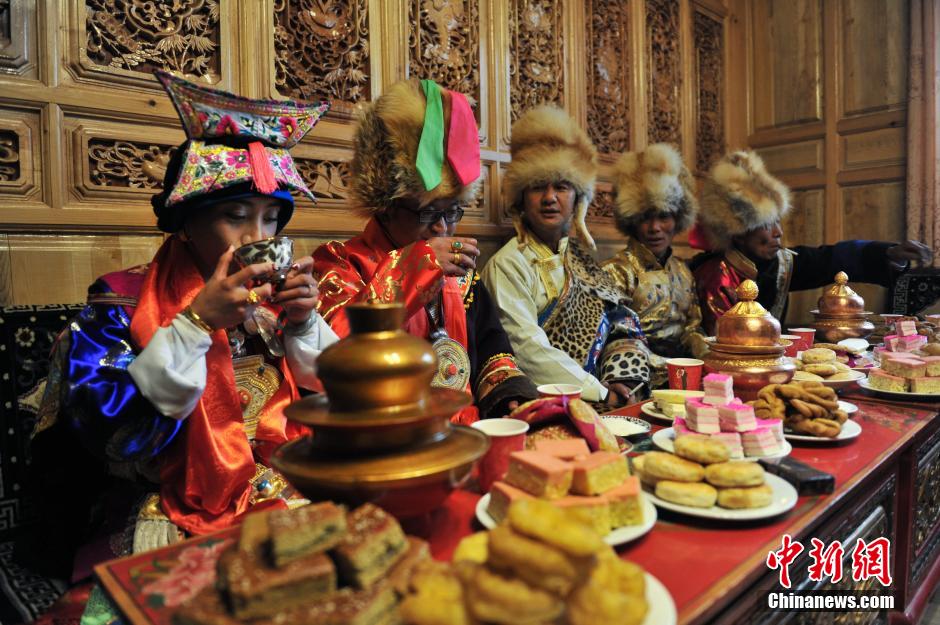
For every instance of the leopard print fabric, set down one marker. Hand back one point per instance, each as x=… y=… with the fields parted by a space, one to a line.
x=590 y=310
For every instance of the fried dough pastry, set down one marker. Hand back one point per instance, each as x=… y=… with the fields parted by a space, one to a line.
x=695 y=494
x=731 y=474
x=592 y=604
x=818 y=355
x=534 y=562
x=473 y=548
x=495 y=598
x=748 y=497
x=437 y=597
x=701 y=449
x=636 y=465
x=545 y=522
x=665 y=466
x=825 y=428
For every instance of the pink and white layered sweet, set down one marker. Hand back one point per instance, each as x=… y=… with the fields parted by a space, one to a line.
x=908 y=343
x=776 y=428
x=736 y=417
x=906 y=327
x=718 y=389
x=700 y=417
x=760 y=442
x=731 y=440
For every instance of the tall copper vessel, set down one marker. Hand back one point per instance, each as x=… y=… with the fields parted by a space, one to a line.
x=381 y=433
x=841 y=313
x=748 y=346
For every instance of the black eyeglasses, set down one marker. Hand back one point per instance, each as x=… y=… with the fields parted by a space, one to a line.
x=432 y=215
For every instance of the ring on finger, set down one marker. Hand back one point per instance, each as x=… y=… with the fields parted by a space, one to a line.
x=253 y=298
x=456 y=246
x=457 y=258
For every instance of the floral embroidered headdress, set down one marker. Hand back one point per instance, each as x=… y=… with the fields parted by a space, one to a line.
x=235 y=147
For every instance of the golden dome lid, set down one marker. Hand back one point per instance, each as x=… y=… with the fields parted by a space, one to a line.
x=747 y=322
x=839 y=298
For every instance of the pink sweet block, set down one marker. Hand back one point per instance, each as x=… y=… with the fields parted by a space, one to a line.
x=679 y=427
x=890 y=340
x=910 y=343
x=759 y=442
x=776 y=427
x=933 y=365
x=701 y=417
x=731 y=440
x=905 y=328
x=718 y=389
x=736 y=417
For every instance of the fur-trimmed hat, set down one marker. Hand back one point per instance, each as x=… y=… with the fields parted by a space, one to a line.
x=386 y=149
x=548 y=146
x=739 y=196
x=654 y=179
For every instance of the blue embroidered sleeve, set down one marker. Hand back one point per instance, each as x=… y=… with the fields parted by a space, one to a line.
x=102 y=403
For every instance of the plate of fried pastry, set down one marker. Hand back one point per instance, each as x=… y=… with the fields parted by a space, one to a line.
x=724 y=490
x=665 y=439
x=597 y=485
x=807 y=409
x=542 y=564
x=821 y=364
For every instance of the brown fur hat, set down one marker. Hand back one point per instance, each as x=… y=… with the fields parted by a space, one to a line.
x=386 y=146
x=654 y=179
x=548 y=146
x=738 y=196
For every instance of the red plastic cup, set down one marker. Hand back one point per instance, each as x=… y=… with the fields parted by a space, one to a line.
x=793 y=348
x=807 y=336
x=506 y=436
x=685 y=374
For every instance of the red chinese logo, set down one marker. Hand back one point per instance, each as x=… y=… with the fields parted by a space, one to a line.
x=869 y=560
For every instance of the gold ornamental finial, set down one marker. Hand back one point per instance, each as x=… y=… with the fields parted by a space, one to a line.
x=842 y=278
x=747 y=291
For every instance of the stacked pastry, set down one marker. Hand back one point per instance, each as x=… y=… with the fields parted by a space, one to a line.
x=313 y=564
x=906 y=363
x=598 y=485
x=804 y=407
x=542 y=565
x=821 y=363
x=700 y=475
x=720 y=416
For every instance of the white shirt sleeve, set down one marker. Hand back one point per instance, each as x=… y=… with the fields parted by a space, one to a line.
x=171 y=371
x=511 y=284
x=302 y=351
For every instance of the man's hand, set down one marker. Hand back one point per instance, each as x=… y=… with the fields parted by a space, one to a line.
x=618 y=394
x=455 y=255
x=909 y=251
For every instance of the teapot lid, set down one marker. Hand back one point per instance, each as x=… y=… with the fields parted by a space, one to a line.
x=840 y=297
x=749 y=317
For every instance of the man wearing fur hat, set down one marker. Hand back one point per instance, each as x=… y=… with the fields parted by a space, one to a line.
x=742 y=207
x=567 y=320
x=416 y=163
x=656 y=201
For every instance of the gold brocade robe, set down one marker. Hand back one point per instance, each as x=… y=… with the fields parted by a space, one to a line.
x=663 y=297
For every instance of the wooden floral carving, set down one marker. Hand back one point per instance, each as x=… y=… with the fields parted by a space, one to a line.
x=9 y=156
x=180 y=36
x=665 y=79
x=322 y=49
x=444 y=44
x=536 y=69
x=709 y=124
x=327 y=179
x=601 y=207
x=608 y=89
x=129 y=164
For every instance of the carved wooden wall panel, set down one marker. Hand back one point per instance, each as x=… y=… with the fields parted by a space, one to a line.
x=805 y=225
x=664 y=82
x=20 y=152
x=444 y=44
x=801 y=157
x=607 y=28
x=876 y=148
x=18 y=38
x=536 y=54
x=135 y=37
x=708 y=34
x=322 y=50
x=787 y=78
x=876 y=39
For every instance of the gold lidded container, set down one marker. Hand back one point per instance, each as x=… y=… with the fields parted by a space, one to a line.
x=381 y=433
x=748 y=346
x=841 y=313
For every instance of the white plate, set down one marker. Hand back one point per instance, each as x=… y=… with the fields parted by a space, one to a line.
x=840 y=384
x=896 y=394
x=665 y=440
x=621 y=423
x=662 y=609
x=848 y=407
x=784 y=498
x=850 y=429
x=649 y=409
x=618 y=536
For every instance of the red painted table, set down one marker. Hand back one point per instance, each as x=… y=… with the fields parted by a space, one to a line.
x=885 y=485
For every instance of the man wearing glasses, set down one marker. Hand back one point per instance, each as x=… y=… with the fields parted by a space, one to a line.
x=568 y=322
x=411 y=182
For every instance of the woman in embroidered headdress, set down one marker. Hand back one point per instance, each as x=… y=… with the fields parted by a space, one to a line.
x=177 y=372
x=567 y=320
x=655 y=202
x=742 y=209
x=416 y=165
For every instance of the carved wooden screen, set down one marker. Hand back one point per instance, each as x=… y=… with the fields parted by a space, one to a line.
x=85 y=130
